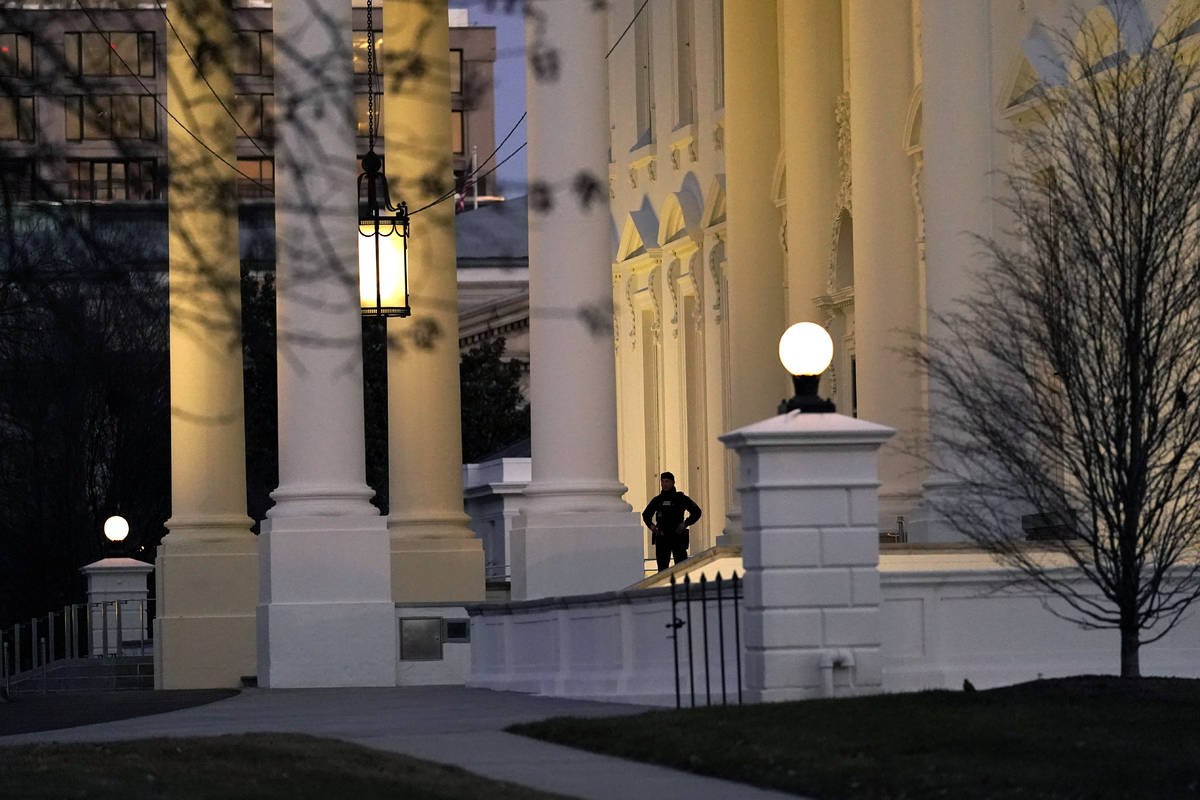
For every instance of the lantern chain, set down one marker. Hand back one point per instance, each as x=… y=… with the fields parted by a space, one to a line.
x=370 y=78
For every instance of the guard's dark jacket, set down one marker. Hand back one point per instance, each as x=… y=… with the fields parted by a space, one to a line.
x=666 y=511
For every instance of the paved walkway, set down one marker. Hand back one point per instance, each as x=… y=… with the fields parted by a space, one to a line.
x=450 y=725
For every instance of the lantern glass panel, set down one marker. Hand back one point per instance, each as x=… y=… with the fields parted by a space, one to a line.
x=393 y=293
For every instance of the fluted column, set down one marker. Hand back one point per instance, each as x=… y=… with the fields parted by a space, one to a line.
x=957 y=138
x=207 y=565
x=886 y=281
x=755 y=258
x=326 y=616
x=435 y=556
x=575 y=533
x=812 y=83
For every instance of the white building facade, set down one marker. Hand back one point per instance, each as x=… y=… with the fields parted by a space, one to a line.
x=775 y=161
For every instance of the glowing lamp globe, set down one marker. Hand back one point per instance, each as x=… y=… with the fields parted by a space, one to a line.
x=116 y=528
x=805 y=349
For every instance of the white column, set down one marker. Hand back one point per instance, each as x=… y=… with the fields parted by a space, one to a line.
x=811 y=554
x=435 y=556
x=755 y=270
x=887 y=296
x=325 y=616
x=207 y=566
x=957 y=133
x=812 y=83
x=575 y=533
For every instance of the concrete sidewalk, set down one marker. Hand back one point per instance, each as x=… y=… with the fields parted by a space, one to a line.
x=450 y=725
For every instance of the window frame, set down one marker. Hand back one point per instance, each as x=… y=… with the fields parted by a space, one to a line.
x=144 y=42
x=25 y=123
x=26 y=66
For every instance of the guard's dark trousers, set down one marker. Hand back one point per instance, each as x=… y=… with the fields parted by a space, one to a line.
x=665 y=546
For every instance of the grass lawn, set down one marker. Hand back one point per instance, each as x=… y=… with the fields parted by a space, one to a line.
x=252 y=765
x=1087 y=737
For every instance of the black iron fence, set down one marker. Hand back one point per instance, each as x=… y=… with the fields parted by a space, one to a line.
x=79 y=631
x=716 y=604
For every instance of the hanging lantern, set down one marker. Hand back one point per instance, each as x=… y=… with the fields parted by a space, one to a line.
x=382 y=227
x=382 y=246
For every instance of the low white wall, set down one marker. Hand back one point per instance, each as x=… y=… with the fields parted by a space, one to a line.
x=943 y=618
x=611 y=646
x=946 y=617
x=454 y=665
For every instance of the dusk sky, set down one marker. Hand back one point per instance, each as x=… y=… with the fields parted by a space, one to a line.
x=510 y=85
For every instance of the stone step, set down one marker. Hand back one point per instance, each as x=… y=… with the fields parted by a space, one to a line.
x=86 y=675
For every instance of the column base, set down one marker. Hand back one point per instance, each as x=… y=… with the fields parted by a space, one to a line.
x=732 y=535
x=326 y=616
x=437 y=570
x=206 y=590
x=565 y=553
x=925 y=523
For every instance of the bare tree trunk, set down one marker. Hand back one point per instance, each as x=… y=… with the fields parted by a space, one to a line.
x=1130 y=657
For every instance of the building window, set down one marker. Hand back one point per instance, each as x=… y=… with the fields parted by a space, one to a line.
x=457 y=135
x=360 y=114
x=112 y=180
x=360 y=51
x=110 y=53
x=17 y=177
x=16 y=56
x=645 y=82
x=255 y=53
x=16 y=119
x=719 y=51
x=257 y=179
x=456 y=71
x=256 y=114
x=684 y=101
x=118 y=116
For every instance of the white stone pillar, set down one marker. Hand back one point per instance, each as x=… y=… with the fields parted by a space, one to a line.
x=811 y=553
x=957 y=136
x=575 y=534
x=117 y=589
x=812 y=83
x=887 y=291
x=755 y=270
x=207 y=566
x=435 y=556
x=325 y=615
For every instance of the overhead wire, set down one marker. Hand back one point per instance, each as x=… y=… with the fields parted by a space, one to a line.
x=636 y=14
x=475 y=172
x=446 y=197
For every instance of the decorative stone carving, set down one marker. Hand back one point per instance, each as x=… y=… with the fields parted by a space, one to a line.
x=719 y=138
x=633 y=326
x=827 y=319
x=612 y=187
x=693 y=150
x=673 y=288
x=652 y=170
x=633 y=178
x=616 y=313
x=698 y=288
x=675 y=158
x=841 y=115
x=783 y=234
x=714 y=267
x=655 y=302
x=918 y=202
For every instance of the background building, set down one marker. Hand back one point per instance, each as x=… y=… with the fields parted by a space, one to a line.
x=84 y=126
